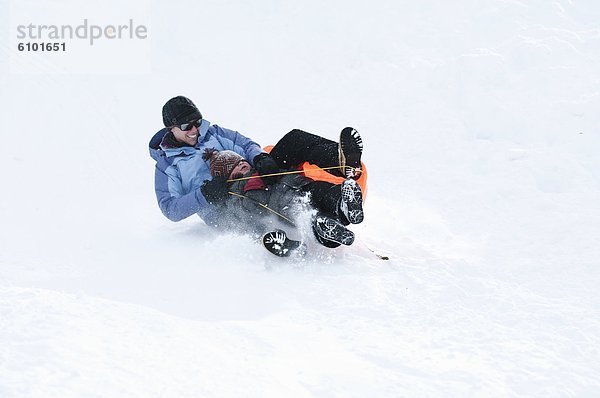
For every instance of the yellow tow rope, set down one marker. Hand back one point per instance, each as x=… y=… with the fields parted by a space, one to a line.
x=295 y=172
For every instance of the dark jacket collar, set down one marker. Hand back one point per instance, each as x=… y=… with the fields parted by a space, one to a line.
x=169 y=141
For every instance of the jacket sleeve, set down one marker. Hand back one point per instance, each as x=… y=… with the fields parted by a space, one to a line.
x=238 y=143
x=178 y=207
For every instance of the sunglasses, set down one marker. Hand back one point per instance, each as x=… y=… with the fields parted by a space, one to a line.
x=188 y=126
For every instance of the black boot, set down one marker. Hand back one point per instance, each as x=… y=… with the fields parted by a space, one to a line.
x=350 y=151
x=330 y=232
x=278 y=243
x=351 y=202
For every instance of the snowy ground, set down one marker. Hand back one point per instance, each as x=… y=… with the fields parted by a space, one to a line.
x=481 y=122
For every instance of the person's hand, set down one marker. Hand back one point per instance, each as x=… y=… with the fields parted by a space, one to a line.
x=215 y=191
x=265 y=164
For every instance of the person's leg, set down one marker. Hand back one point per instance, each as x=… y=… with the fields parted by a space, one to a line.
x=343 y=201
x=324 y=196
x=297 y=147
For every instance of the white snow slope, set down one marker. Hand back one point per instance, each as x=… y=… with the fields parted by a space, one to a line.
x=481 y=123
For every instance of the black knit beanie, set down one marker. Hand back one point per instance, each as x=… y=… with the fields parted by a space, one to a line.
x=179 y=110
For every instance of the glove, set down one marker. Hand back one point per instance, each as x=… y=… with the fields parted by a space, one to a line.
x=265 y=164
x=215 y=191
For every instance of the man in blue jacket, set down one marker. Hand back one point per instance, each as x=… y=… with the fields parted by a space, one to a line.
x=182 y=179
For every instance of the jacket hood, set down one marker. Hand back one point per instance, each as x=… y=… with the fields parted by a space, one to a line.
x=154 y=144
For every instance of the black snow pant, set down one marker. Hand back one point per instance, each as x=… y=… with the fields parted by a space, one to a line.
x=297 y=147
x=325 y=197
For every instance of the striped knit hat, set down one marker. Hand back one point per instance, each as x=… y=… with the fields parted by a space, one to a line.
x=221 y=162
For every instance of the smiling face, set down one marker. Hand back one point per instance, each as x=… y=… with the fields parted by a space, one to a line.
x=240 y=169
x=189 y=137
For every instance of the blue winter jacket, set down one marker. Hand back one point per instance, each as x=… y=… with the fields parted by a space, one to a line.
x=181 y=171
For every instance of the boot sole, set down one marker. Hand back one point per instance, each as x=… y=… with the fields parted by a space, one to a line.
x=279 y=244
x=351 y=147
x=333 y=230
x=351 y=204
